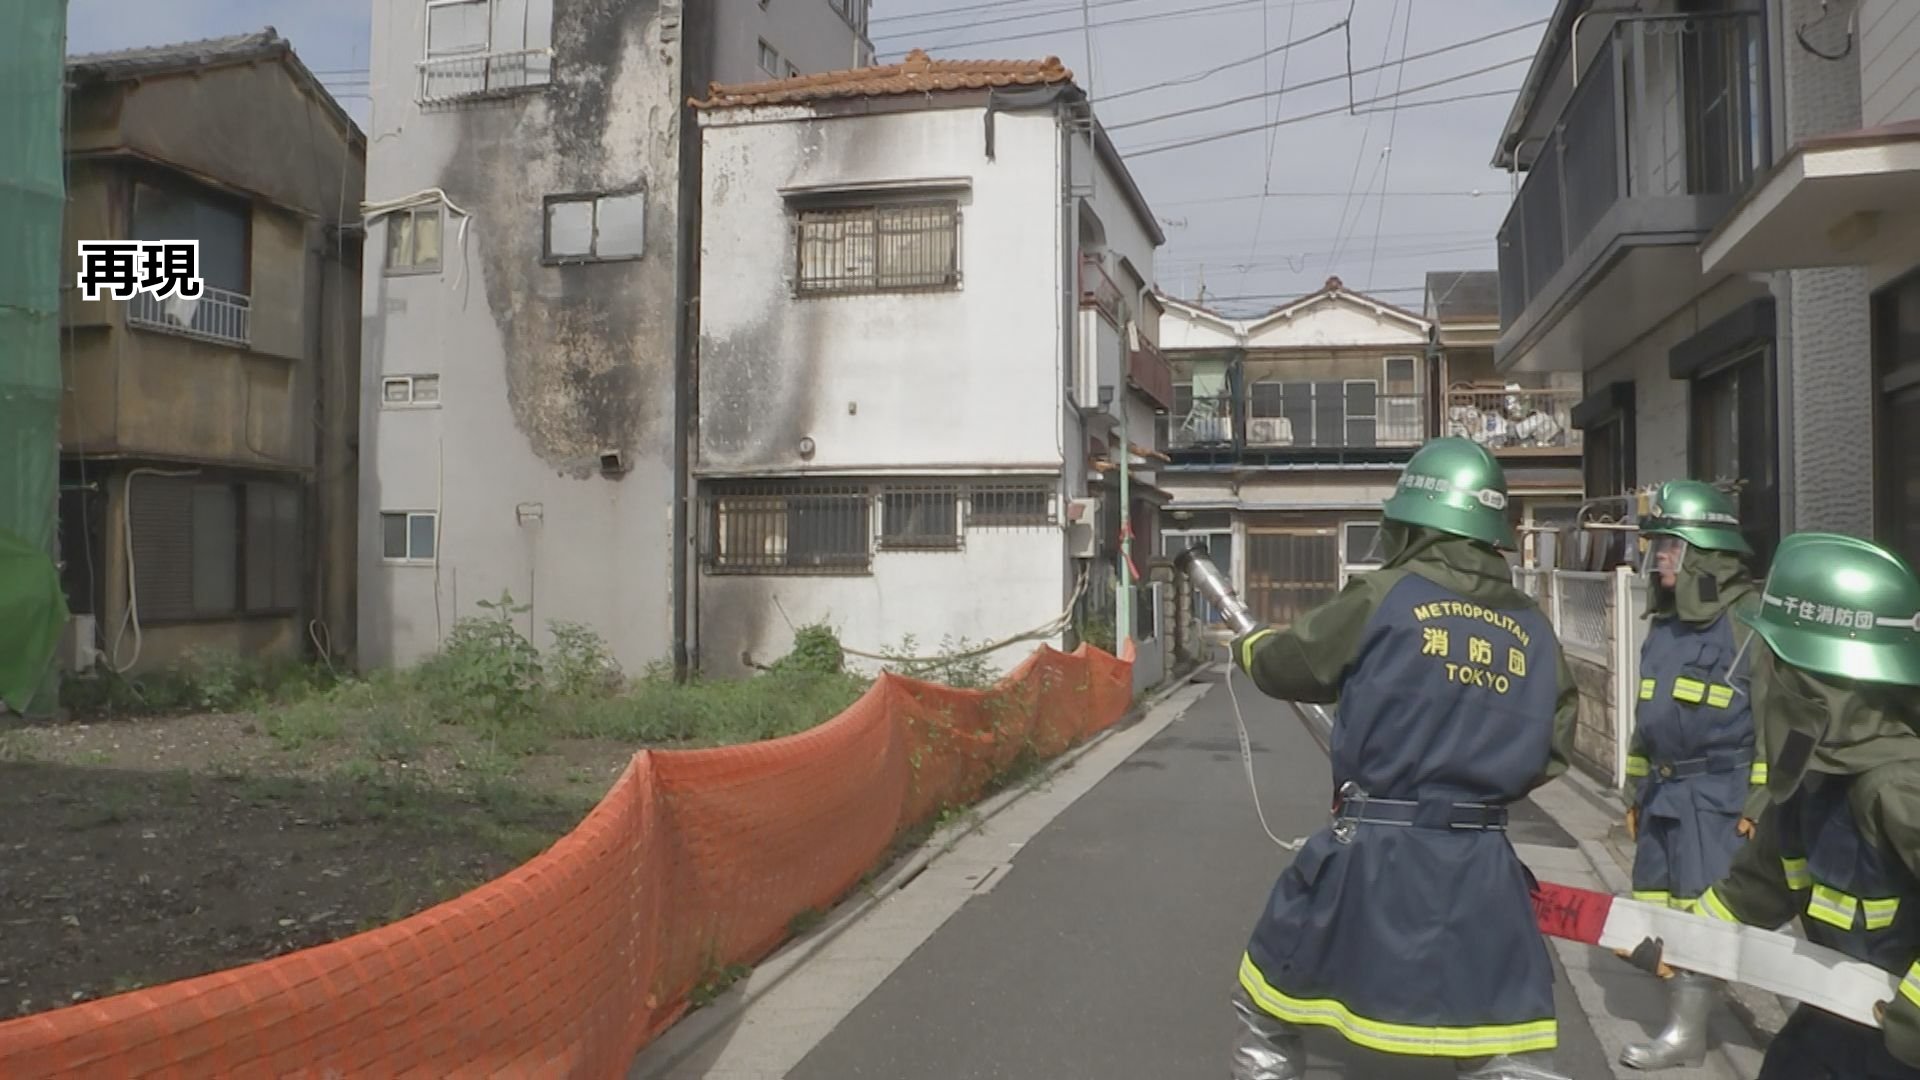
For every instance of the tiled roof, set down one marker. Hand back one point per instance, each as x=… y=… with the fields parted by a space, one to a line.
x=1463 y=294
x=917 y=74
x=155 y=60
x=179 y=56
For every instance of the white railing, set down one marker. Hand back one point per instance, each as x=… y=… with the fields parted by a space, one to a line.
x=214 y=315
x=1599 y=619
x=451 y=78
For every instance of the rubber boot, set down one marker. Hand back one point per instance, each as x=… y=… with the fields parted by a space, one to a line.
x=1690 y=1000
x=1537 y=1065
x=1266 y=1047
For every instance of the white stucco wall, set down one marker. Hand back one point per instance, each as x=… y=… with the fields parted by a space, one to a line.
x=1660 y=402
x=1002 y=583
x=881 y=382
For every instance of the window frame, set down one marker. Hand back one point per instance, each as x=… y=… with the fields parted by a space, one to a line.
x=767 y=50
x=187 y=186
x=408 y=517
x=426 y=30
x=492 y=83
x=1349 y=565
x=741 y=497
x=874 y=206
x=890 y=495
x=414 y=267
x=412 y=381
x=239 y=491
x=1044 y=492
x=593 y=199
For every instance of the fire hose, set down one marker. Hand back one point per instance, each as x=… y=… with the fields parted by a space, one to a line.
x=1650 y=934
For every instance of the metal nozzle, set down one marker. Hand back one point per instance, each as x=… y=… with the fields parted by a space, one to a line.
x=1206 y=577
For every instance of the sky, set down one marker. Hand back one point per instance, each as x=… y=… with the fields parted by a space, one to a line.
x=1378 y=198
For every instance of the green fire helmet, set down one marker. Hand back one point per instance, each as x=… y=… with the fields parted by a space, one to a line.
x=1699 y=513
x=1842 y=607
x=1454 y=486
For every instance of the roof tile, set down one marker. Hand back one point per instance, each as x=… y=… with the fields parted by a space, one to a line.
x=917 y=74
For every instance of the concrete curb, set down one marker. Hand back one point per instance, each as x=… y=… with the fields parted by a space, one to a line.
x=692 y=1032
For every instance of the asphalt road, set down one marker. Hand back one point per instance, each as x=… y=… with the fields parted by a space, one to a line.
x=1109 y=949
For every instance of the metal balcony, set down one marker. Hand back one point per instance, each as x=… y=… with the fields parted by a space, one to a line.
x=1515 y=421
x=215 y=315
x=455 y=78
x=1665 y=128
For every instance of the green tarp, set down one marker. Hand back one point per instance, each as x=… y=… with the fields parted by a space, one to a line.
x=32 y=613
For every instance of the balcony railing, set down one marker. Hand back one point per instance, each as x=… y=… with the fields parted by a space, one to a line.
x=1672 y=106
x=1338 y=421
x=1514 y=419
x=214 y=315
x=1150 y=374
x=1098 y=291
x=453 y=78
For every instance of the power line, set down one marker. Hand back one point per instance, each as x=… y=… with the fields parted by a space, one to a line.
x=1360 y=154
x=969 y=9
x=1210 y=72
x=1216 y=7
x=1302 y=118
x=1393 y=125
x=1210 y=200
x=1273 y=138
x=1455 y=47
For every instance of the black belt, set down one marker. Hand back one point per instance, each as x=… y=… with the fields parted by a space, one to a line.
x=1701 y=766
x=1421 y=814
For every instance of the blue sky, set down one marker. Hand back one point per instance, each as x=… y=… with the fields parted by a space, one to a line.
x=1260 y=217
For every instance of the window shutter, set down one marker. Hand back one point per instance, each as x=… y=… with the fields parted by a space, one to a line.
x=162 y=520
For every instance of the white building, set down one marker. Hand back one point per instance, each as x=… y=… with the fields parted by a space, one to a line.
x=925 y=328
x=533 y=182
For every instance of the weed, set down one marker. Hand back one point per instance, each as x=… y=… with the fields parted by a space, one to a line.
x=391 y=736
x=717 y=982
x=578 y=663
x=947 y=666
x=489 y=672
x=804 y=921
x=816 y=651
x=16 y=745
x=310 y=722
x=1097 y=631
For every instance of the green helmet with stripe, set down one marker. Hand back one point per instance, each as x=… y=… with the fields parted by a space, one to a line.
x=1842 y=607
x=1699 y=513
x=1454 y=485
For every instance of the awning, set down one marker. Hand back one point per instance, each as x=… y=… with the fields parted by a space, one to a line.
x=1846 y=199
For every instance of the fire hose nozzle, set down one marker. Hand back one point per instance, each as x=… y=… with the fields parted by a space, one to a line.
x=1212 y=584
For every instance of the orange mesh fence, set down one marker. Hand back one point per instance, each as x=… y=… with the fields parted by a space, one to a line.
x=569 y=965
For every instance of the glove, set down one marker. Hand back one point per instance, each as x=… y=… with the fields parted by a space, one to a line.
x=1745 y=828
x=1633 y=823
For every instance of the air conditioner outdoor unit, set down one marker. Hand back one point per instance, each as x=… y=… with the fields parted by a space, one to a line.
x=1270 y=431
x=76 y=644
x=1083 y=539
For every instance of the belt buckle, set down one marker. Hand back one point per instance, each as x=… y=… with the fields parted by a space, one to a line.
x=1666 y=770
x=1353 y=802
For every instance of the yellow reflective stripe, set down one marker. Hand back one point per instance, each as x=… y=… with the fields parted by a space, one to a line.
x=1412 y=1039
x=1690 y=691
x=1711 y=904
x=1833 y=907
x=1880 y=913
x=1246 y=647
x=1646 y=689
x=1796 y=872
x=1653 y=896
x=1636 y=765
x=1759 y=776
x=1719 y=696
x=1684 y=903
x=1910 y=986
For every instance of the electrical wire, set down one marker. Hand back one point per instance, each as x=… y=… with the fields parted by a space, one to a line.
x=1185 y=80
x=1214 y=8
x=1360 y=155
x=1309 y=84
x=1393 y=126
x=1235 y=133
x=131 y=616
x=968 y=9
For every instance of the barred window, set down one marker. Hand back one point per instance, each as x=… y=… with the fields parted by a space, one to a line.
x=790 y=528
x=920 y=517
x=215 y=549
x=1011 y=505
x=891 y=248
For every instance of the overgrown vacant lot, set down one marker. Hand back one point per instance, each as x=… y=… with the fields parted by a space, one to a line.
x=225 y=813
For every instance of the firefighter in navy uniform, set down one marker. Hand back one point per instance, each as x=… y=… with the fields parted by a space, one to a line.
x=1839 y=846
x=1701 y=786
x=1406 y=925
